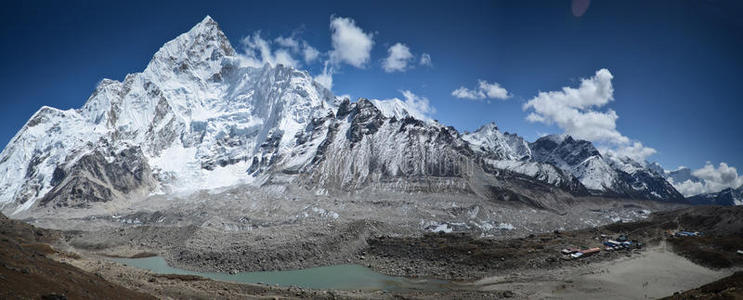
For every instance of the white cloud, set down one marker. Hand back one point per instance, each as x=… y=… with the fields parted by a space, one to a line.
x=484 y=90
x=258 y=52
x=300 y=47
x=282 y=57
x=326 y=77
x=717 y=179
x=712 y=179
x=574 y=111
x=493 y=90
x=418 y=106
x=310 y=53
x=594 y=91
x=413 y=105
x=350 y=44
x=571 y=109
x=688 y=188
x=465 y=93
x=288 y=42
x=398 y=58
x=282 y=50
x=426 y=60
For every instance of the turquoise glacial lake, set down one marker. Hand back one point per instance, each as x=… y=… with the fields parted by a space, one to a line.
x=339 y=277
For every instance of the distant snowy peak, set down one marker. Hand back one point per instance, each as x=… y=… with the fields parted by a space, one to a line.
x=727 y=196
x=610 y=175
x=656 y=168
x=627 y=164
x=577 y=157
x=694 y=189
x=396 y=108
x=511 y=152
x=563 y=150
x=497 y=145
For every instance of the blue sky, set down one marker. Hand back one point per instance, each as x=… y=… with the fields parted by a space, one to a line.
x=675 y=66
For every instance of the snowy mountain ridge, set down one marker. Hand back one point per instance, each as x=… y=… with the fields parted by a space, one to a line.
x=602 y=174
x=728 y=196
x=198 y=115
x=197 y=119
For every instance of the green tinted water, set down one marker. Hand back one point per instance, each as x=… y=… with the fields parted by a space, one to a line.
x=342 y=277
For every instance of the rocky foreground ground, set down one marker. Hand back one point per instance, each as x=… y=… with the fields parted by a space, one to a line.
x=31 y=269
x=484 y=266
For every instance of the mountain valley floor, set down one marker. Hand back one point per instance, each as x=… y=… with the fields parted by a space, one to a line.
x=491 y=249
x=248 y=229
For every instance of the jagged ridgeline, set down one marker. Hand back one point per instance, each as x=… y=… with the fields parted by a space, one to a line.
x=196 y=119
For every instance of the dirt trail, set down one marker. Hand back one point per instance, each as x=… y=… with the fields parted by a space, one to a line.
x=655 y=273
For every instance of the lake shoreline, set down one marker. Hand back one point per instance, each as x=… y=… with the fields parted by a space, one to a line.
x=336 y=277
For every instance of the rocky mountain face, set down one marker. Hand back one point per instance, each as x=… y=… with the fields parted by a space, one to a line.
x=193 y=119
x=93 y=178
x=493 y=144
x=197 y=119
x=727 y=196
x=603 y=175
x=508 y=151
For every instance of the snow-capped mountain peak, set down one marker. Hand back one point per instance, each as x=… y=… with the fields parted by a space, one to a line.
x=606 y=174
x=196 y=118
x=495 y=144
x=577 y=157
x=203 y=43
x=398 y=109
x=728 y=196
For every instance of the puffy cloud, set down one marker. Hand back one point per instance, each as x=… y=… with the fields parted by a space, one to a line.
x=484 y=90
x=259 y=52
x=709 y=179
x=689 y=188
x=326 y=77
x=282 y=57
x=418 y=106
x=310 y=53
x=300 y=47
x=282 y=50
x=571 y=109
x=288 y=42
x=413 y=105
x=426 y=60
x=574 y=111
x=587 y=125
x=350 y=44
x=465 y=93
x=493 y=90
x=595 y=91
x=717 y=179
x=398 y=58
